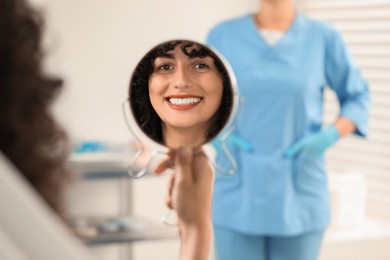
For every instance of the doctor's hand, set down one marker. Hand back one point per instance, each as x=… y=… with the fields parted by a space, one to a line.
x=234 y=141
x=315 y=144
x=189 y=193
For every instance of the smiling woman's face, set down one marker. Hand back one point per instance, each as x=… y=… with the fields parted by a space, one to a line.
x=185 y=91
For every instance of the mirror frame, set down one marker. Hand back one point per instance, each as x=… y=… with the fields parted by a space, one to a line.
x=159 y=148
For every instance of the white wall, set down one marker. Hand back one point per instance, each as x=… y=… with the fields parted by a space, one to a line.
x=94 y=45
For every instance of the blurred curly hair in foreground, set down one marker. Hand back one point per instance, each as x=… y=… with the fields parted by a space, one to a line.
x=29 y=135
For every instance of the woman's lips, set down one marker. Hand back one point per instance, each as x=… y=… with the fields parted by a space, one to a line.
x=185 y=102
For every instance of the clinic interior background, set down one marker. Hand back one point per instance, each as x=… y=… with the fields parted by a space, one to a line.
x=94 y=45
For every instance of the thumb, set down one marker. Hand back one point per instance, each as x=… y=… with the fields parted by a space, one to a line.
x=183 y=165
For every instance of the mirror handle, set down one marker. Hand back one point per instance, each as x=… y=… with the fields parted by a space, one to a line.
x=224 y=137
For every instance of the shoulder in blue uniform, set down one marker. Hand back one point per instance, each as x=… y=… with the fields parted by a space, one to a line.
x=231 y=26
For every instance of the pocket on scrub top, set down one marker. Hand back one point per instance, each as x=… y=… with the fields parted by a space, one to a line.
x=309 y=173
x=264 y=174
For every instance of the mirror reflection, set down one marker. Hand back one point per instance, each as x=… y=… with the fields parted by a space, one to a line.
x=181 y=93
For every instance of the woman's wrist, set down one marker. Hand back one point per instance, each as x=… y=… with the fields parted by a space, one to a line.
x=195 y=240
x=200 y=228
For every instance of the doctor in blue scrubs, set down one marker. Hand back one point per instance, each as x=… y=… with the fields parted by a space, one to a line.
x=276 y=206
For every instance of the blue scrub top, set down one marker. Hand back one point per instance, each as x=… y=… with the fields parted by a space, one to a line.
x=282 y=87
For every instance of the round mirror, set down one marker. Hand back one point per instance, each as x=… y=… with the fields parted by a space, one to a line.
x=181 y=93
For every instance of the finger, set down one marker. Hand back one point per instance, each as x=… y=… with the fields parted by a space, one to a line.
x=163 y=165
x=171 y=153
x=170 y=182
x=166 y=163
x=198 y=152
x=168 y=193
x=183 y=165
x=168 y=201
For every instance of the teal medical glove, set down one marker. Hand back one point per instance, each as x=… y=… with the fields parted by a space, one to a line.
x=315 y=144
x=234 y=141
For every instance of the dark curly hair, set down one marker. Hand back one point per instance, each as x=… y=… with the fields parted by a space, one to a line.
x=140 y=104
x=29 y=136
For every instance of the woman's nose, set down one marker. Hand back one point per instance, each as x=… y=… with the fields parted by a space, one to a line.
x=182 y=78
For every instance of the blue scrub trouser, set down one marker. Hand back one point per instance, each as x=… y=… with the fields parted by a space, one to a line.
x=230 y=245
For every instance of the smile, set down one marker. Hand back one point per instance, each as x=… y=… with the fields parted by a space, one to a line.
x=184 y=101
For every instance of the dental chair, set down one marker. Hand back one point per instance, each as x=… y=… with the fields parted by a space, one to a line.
x=29 y=229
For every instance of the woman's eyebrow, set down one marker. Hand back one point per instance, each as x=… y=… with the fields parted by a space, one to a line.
x=199 y=57
x=166 y=55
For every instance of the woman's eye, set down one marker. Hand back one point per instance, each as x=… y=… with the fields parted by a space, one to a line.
x=165 y=67
x=201 y=66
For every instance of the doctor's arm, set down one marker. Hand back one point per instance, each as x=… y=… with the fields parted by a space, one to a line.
x=189 y=193
x=353 y=94
x=317 y=143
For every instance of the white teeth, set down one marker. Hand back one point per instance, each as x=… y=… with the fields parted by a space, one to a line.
x=184 y=101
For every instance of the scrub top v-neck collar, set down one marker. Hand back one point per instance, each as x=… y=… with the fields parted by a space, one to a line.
x=288 y=34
